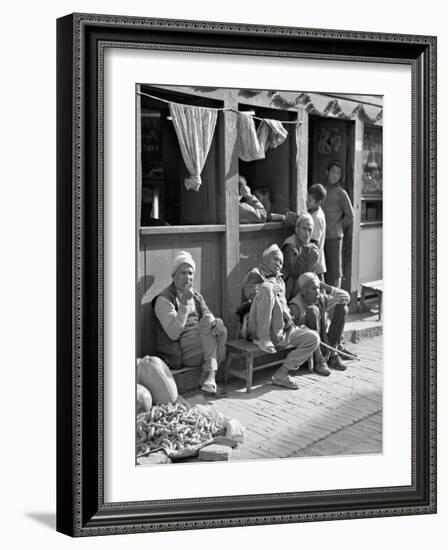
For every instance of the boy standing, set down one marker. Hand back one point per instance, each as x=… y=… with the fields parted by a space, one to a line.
x=316 y=197
x=338 y=212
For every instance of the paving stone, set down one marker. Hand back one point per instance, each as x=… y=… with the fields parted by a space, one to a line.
x=158 y=457
x=354 y=439
x=215 y=452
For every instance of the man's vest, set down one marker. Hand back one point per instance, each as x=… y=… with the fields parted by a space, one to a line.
x=167 y=349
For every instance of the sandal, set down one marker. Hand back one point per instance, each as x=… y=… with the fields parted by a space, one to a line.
x=286 y=382
x=265 y=345
x=213 y=390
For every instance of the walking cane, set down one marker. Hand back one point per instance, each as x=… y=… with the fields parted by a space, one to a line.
x=339 y=352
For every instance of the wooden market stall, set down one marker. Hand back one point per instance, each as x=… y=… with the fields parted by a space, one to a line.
x=206 y=222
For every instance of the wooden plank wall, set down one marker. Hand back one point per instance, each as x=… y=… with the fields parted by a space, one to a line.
x=370 y=253
x=157 y=253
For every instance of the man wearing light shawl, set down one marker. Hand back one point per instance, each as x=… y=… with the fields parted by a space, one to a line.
x=270 y=324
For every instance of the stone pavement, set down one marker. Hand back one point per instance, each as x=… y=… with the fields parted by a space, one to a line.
x=334 y=415
x=366 y=434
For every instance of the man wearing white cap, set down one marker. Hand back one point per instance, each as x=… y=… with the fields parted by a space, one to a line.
x=270 y=324
x=187 y=332
x=311 y=306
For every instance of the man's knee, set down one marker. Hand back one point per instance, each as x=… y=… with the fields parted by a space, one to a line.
x=306 y=338
x=312 y=317
x=342 y=309
x=207 y=326
x=312 y=310
x=206 y=322
x=312 y=339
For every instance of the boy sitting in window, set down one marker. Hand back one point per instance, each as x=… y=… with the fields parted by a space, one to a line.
x=250 y=208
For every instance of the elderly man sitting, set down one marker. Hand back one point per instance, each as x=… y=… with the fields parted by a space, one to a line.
x=187 y=332
x=300 y=254
x=270 y=324
x=311 y=307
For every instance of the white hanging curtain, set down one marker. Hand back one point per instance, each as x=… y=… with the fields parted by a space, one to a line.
x=249 y=147
x=194 y=128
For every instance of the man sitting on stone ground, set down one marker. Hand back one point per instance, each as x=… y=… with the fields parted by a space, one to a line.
x=187 y=332
x=269 y=322
x=311 y=306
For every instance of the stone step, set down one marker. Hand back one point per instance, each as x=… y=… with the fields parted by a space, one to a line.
x=362 y=325
x=186 y=379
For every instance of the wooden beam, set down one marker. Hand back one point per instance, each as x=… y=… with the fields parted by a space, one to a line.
x=176 y=229
x=357 y=192
x=139 y=290
x=231 y=280
x=298 y=202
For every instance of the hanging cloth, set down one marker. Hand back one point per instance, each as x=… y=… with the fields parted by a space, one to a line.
x=249 y=147
x=271 y=134
x=194 y=128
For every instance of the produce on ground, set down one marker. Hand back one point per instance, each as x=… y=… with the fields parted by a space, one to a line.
x=154 y=374
x=144 y=399
x=178 y=430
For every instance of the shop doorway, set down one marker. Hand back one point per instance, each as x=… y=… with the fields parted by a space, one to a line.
x=334 y=139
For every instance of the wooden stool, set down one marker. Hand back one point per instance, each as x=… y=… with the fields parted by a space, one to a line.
x=375 y=287
x=248 y=352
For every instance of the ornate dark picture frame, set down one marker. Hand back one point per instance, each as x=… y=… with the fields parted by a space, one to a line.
x=81 y=509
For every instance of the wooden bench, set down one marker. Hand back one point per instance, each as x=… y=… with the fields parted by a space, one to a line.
x=253 y=359
x=374 y=287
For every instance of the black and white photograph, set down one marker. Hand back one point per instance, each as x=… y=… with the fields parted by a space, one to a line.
x=259 y=274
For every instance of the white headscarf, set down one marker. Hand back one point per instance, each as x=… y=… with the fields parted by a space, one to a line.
x=183 y=257
x=270 y=250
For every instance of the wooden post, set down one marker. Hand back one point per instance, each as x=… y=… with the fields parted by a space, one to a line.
x=139 y=290
x=357 y=191
x=302 y=162
x=231 y=247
